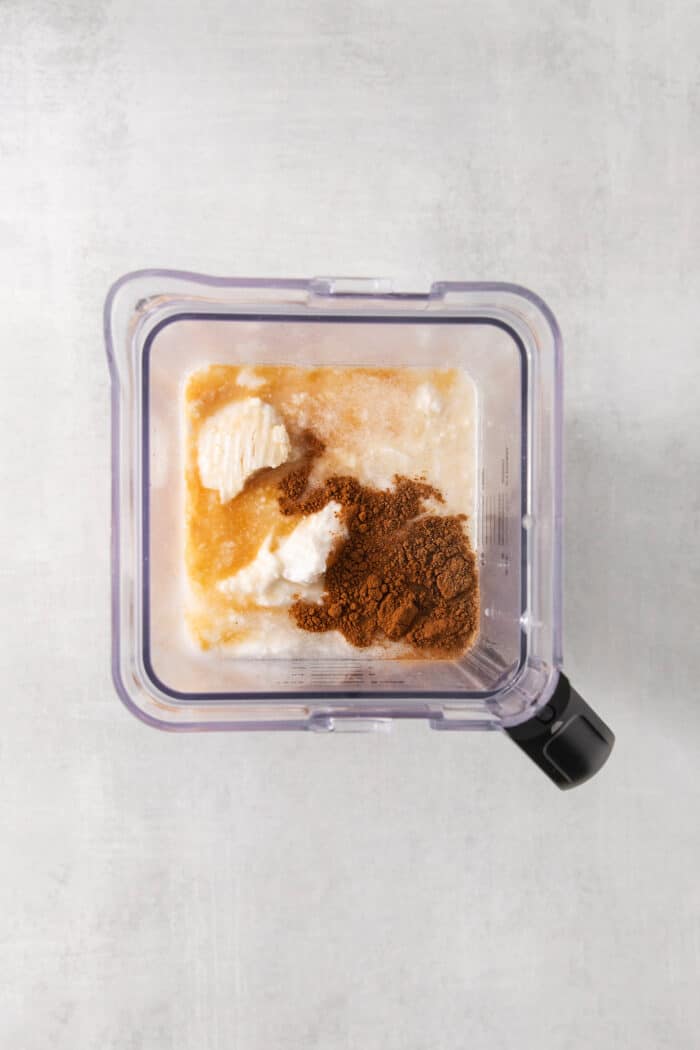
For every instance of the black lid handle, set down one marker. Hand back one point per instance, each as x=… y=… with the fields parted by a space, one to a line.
x=566 y=738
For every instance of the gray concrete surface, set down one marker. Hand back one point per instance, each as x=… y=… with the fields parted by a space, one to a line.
x=413 y=891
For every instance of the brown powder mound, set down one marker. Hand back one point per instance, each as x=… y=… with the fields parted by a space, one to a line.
x=401 y=574
x=293 y=484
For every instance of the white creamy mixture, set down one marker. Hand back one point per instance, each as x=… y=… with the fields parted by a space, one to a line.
x=237 y=441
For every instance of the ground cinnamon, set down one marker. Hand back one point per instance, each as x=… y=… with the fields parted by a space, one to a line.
x=403 y=573
x=292 y=485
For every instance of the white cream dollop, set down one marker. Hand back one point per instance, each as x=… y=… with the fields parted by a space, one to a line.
x=296 y=567
x=238 y=440
x=304 y=553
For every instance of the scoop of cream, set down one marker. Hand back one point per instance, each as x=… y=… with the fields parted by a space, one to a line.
x=235 y=442
x=296 y=567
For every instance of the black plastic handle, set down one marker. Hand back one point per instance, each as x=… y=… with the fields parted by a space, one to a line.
x=566 y=738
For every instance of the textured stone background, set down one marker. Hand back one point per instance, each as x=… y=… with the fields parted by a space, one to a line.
x=405 y=892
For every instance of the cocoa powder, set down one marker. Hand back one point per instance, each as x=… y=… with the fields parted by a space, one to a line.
x=402 y=573
x=293 y=484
